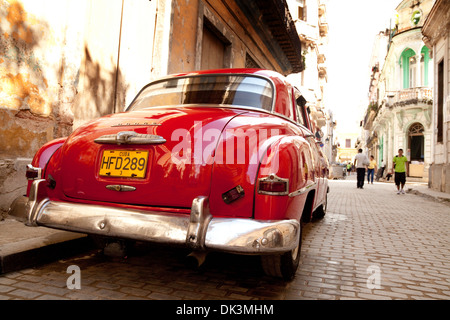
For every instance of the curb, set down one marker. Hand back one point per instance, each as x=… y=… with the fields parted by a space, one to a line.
x=30 y=252
x=439 y=199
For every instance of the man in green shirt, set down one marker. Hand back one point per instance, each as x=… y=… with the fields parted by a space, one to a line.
x=400 y=168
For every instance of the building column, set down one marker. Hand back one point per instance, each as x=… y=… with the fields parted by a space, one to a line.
x=418 y=71
x=399 y=76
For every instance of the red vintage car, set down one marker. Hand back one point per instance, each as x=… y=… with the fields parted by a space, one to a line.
x=218 y=160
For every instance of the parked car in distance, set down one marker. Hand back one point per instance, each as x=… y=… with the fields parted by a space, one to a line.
x=218 y=160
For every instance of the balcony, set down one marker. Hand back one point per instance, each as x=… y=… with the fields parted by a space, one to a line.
x=321 y=54
x=323 y=26
x=306 y=31
x=322 y=68
x=318 y=116
x=410 y=96
x=370 y=115
x=322 y=9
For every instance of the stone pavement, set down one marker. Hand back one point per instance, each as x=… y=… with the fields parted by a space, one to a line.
x=372 y=244
x=403 y=240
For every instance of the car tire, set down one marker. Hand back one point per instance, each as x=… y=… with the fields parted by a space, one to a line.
x=321 y=210
x=282 y=265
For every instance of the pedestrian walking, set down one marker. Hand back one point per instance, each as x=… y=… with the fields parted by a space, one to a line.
x=349 y=168
x=401 y=170
x=361 y=161
x=371 y=168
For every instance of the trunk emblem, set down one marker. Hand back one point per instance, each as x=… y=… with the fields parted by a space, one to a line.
x=120 y=188
x=130 y=137
x=128 y=124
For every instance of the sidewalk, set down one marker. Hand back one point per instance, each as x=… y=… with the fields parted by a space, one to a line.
x=423 y=190
x=414 y=187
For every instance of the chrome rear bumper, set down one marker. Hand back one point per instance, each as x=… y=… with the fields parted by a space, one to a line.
x=199 y=230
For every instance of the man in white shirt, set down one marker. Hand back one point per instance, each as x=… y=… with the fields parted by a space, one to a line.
x=361 y=161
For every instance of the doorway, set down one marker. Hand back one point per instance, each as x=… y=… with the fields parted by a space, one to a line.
x=416 y=146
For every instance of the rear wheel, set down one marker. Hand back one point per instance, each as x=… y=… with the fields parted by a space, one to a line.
x=283 y=265
x=322 y=209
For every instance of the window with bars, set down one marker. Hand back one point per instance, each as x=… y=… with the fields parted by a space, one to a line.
x=250 y=62
x=348 y=143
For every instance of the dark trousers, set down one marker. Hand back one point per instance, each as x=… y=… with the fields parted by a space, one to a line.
x=360 y=174
x=370 y=173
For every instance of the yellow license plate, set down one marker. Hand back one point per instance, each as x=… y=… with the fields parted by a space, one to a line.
x=124 y=164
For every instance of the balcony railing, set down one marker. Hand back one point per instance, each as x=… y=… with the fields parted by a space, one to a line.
x=410 y=96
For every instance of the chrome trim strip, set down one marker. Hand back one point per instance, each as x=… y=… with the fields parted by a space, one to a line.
x=120 y=188
x=135 y=124
x=130 y=137
x=302 y=190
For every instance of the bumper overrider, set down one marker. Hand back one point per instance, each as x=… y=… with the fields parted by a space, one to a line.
x=199 y=230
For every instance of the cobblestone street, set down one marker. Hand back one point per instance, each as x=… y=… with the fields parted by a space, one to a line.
x=372 y=244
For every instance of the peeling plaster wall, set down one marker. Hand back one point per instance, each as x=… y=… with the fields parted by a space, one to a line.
x=40 y=55
x=33 y=88
x=62 y=64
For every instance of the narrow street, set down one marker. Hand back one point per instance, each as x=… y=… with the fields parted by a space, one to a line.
x=372 y=244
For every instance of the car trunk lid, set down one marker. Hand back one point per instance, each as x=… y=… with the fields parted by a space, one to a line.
x=153 y=157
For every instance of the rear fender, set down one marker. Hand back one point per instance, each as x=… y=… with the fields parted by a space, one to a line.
x=284 y=159
x=43 y=156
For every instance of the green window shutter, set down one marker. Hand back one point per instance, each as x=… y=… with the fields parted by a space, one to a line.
x=426 y=60
x=406 y=55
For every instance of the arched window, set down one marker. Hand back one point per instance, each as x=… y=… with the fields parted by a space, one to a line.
x=424 y=61
x=408 y=64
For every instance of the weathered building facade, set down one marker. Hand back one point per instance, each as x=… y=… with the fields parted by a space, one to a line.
x=310 y=19
x=369 y=139
x=63 y=63
x=399 y=112
x=436 y=32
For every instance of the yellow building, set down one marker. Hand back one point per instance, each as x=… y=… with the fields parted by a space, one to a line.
x=346 y=142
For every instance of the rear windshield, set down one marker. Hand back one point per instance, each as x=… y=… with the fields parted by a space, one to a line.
x=241 y=90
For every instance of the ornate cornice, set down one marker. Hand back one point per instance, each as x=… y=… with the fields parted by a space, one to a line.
x=437 y=23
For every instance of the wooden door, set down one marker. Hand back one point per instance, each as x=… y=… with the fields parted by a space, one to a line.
x=213 y=50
